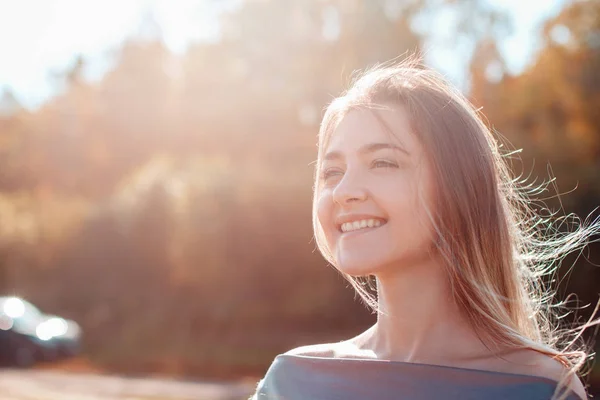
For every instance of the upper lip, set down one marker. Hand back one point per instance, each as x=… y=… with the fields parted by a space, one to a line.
x=342 y=219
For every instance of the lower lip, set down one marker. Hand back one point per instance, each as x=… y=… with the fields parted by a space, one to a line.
x=359 y=231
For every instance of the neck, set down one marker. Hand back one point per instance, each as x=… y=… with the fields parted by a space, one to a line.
x=418 y=320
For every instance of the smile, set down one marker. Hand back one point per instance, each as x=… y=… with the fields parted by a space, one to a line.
x=361 y=224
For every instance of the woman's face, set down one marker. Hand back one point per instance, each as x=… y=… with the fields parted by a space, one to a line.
x=373 y=188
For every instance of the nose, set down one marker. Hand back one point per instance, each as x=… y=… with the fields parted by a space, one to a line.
x=349 y=190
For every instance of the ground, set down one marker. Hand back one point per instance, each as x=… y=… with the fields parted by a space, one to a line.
x=54 y=384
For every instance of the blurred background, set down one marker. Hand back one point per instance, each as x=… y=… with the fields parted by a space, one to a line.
x=155 y=159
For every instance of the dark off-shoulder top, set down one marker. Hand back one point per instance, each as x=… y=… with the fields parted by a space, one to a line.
x=292 y=377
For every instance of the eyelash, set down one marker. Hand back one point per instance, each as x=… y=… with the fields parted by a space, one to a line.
x=387 y=164
x=329 y=172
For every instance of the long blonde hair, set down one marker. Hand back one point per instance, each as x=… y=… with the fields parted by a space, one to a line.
x=496 y=248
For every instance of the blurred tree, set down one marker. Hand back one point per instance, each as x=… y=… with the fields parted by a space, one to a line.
x=551 y=110
x=171 y=201
x=8 y=103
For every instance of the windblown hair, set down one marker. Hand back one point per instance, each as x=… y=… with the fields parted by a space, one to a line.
x=496 y=246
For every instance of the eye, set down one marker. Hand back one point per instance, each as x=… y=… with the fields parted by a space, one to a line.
x=384 y=164
x=329 y=173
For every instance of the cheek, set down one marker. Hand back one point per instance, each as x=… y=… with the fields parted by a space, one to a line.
x=408 y=214
x=325 y=216
x=421 y=206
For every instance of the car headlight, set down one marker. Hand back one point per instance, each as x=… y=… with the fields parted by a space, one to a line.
x=14 y=307
x=50 y=328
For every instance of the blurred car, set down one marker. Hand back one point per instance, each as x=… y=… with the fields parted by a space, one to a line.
x=27 y=335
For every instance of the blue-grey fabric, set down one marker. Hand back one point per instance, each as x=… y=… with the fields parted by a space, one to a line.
x=293 y=377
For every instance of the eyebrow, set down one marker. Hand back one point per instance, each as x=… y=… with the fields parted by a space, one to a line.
x=368 y=148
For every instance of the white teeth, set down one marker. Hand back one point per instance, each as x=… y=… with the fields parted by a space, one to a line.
x=364 y=223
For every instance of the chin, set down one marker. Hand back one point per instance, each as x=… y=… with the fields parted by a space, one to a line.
x=358 y=266
x=354 y=272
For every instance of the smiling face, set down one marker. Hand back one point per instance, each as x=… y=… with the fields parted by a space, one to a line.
x=373 y=186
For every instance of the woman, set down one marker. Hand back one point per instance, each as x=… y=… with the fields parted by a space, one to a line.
x=411 y=189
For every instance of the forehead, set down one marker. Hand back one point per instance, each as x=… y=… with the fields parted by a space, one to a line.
x=380 y=124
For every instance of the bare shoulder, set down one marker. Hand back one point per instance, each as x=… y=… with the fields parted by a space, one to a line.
x=339 y=350
x=276 y=369
x=315 y=350
x=553 y=369
x=543 y=365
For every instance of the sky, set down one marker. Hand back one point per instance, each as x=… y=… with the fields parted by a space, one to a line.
x=40 y=38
